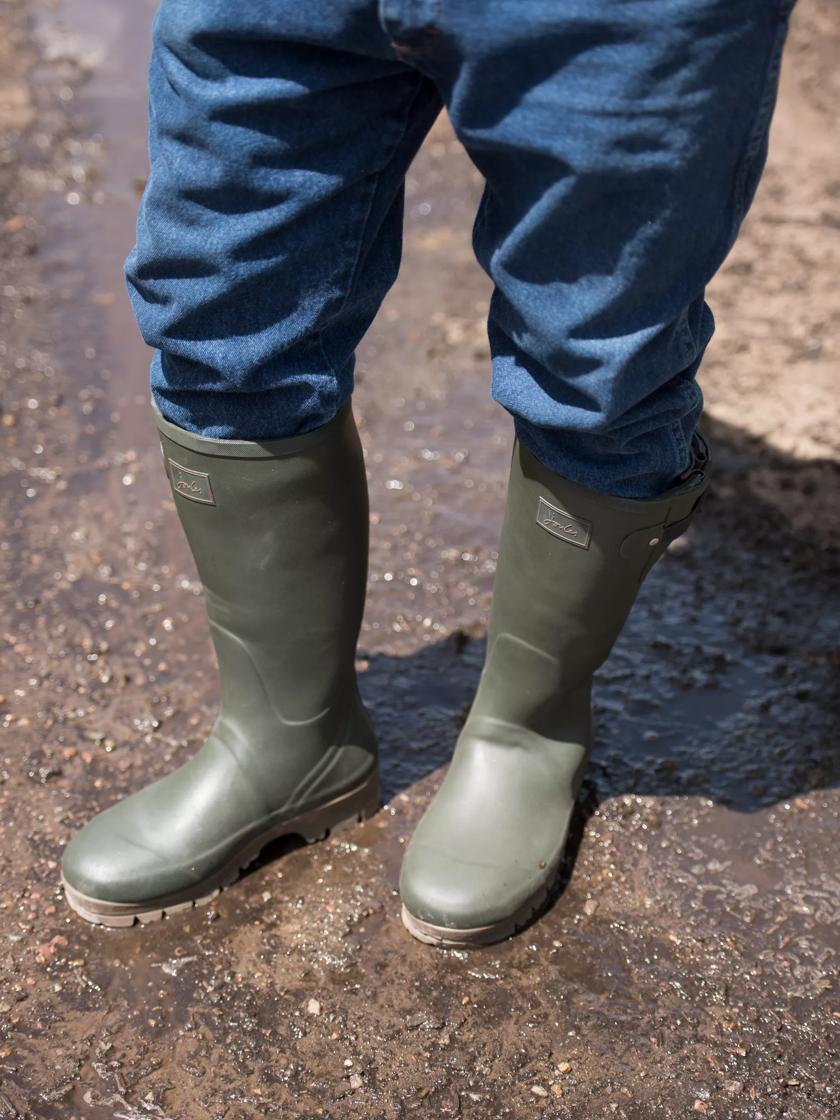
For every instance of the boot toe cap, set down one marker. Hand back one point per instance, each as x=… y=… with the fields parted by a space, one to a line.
x=102 y=863
x=452 y=893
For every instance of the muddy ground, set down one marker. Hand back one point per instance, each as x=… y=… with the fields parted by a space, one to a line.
x=689 y=964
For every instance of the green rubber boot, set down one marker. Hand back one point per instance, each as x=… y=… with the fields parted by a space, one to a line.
x=488 y=849
x=279 y=533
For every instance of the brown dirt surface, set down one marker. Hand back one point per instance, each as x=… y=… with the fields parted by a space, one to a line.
x=688 y=963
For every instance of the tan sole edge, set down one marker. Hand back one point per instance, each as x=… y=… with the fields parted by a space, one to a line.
x=342 y=813
x=445 y=938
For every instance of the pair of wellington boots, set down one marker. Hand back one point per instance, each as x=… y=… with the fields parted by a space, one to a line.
x=279 y=533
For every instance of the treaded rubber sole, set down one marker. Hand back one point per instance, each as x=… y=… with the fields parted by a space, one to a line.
x=446 y=938
x=342 y=813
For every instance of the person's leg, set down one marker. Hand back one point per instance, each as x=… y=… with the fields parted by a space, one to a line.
x=271 y=225
x=269 y=232
x=621 y=143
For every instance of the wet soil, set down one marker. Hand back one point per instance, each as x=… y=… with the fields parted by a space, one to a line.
x=688 y=964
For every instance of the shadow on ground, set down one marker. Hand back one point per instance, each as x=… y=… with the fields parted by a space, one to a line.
x=712 y=688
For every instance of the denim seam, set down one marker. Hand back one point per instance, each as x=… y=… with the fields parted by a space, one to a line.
x=680 y=443
x=374 y=186
x=687 y=341
x=680 y=446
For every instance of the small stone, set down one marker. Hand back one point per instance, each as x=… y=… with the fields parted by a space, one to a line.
x=539 y=1091
x=733 y=1086
x=564 y=1067
x=590 y=906
x=313 y=1007
x=700 y=1106
x=356 y=1081
x=557 y=1089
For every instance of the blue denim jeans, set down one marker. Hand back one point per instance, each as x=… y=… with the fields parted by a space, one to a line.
x=621 y=142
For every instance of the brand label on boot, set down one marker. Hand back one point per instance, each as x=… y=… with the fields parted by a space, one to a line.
x=561 y=524
x=194 y=485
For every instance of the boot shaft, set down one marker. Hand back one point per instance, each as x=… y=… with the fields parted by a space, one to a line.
x=571 y=562
x=279 y=534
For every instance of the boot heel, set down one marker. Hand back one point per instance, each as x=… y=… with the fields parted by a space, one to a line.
x=364 y=814
x=344 y=813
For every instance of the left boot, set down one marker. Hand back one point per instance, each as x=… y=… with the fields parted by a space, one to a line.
x=278 y=531
x=487 y=851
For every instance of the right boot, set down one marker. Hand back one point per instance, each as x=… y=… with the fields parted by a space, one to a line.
x=279 y=534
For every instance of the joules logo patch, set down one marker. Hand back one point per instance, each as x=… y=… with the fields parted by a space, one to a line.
x=194 y=485
x=562 y=525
